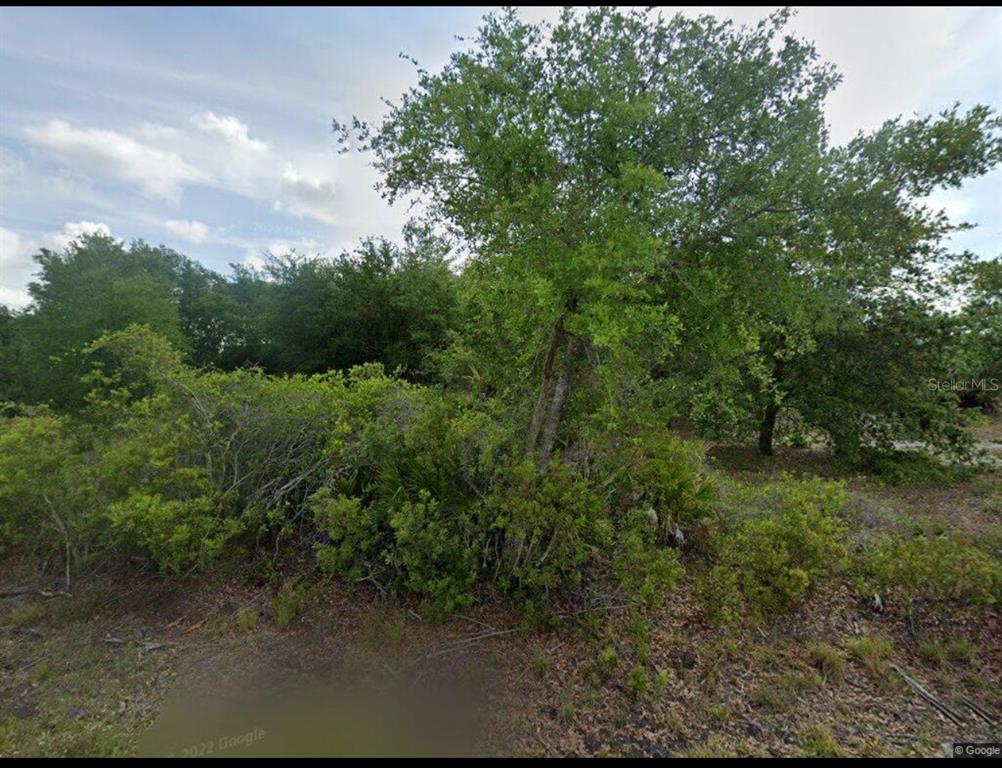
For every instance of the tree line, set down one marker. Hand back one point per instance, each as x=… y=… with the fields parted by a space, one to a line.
x=381 y=303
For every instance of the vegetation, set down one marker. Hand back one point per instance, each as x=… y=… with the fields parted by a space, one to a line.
x=935 y=569
x=777 y=549
x=651 y=222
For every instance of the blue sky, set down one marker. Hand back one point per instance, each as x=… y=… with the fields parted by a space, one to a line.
x=208 y=130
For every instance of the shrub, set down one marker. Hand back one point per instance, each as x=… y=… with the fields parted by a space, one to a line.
x=908 y=467
x=645 y=570
x=409 y=486
x=656 y=470
x=43 y=487
x=437 y=553
x=354 y=532
x=546 y=528
x=532 y=534
x=403 y=504
x=936 y=569
x=770 y=556
x=178 y=535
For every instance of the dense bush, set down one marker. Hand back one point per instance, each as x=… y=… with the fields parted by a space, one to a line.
x=416 y=489
x=42 y=484
x=656 y=470
x=645 y=568
x=936 y=569
x=410 y=487
x=776 y=544
x=167 y=462
x=547 y=528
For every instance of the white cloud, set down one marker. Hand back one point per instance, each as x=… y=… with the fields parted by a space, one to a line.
x=256 y=254
x=72 y=230
x=157 y=172
x=14 y=299
x=16 y=267
x=229 y=128
x=11 y=166
x=192 y=231
x=954 y=202
x=215 y=150
x=893 y=61
x=13 y=250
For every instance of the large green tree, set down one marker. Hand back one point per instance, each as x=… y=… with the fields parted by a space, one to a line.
x=586 y=164
x=879 y=275
x=95 y=286
x=11 y=350
x=622 y=181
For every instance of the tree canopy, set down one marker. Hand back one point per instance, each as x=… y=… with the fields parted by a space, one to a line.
x=620 y=180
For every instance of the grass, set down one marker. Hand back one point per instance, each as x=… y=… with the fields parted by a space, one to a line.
x=540 y=662
x=939 y=651
x=72 y=695
x=961 y=650
x=247 y=619
x=638 y=682
x=827 y=660
x=817 y=741
x=781 y=692
x=871 y=652
x=25 y=615
x=714 y=746
x=285 y=605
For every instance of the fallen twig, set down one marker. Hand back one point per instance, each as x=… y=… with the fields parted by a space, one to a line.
x=923 y=693
x=32 y=663
x=24 y=591
x=461 y=644
x=17 y=592
x=979 y=712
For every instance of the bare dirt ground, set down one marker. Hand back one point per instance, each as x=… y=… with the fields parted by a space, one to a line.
x=153 y=666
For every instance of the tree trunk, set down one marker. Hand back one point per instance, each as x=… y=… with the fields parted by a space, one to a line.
x=545 y=388
x=767 y=429
x=560 y=389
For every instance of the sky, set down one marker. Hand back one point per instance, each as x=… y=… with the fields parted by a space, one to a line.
x=208 y=129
